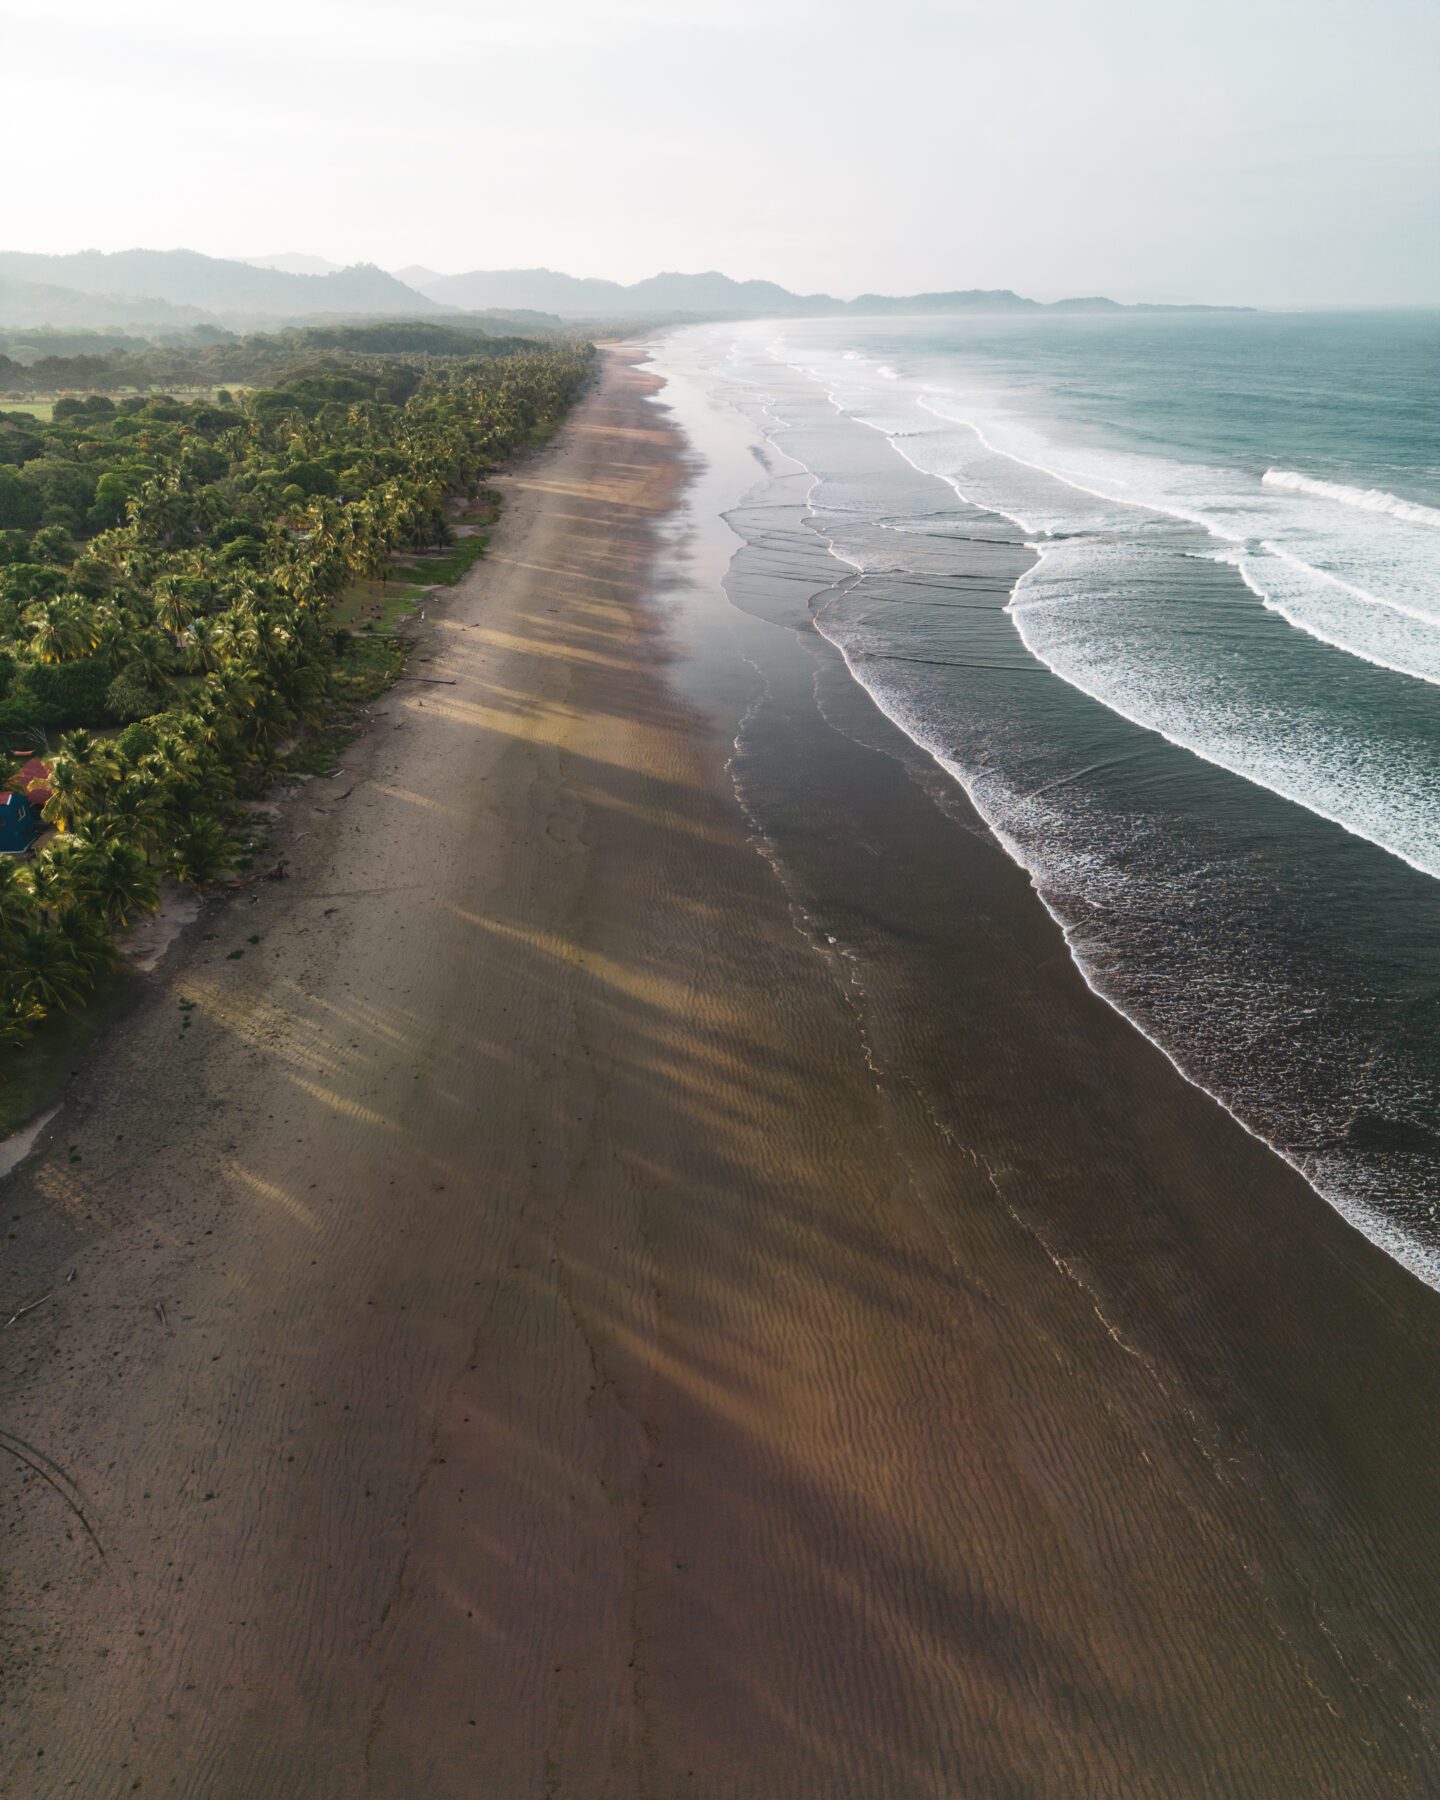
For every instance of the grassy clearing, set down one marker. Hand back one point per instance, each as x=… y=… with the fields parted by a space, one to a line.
x=445 y=567
x=43 y=411
x=368 y=666
x=375 y=605
x=382 y=605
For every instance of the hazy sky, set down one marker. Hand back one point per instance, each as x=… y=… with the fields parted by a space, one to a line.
x=1271 y=151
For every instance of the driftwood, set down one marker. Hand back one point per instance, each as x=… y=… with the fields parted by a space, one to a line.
x=29 y=1307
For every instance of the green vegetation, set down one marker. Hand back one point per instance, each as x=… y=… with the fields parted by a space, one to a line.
x=169 y=579
x=43 y=362
x=446 y=568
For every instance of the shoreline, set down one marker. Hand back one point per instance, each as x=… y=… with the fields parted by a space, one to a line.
x=655 y=1275
x=1387 y=1307
x=1239 y=1055
x=1413 y=1257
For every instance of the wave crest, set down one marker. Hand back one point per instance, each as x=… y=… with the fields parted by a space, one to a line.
x=1367 y=499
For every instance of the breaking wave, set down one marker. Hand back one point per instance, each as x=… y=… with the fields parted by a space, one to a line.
x=1366 y=499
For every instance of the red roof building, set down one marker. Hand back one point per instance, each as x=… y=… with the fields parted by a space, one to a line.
x=33 y=778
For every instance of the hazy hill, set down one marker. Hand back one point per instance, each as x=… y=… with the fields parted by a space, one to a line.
x=219 y=285
x=547 y=290
x=953 y=300
x=573 y=297
x=179 y=287
x=419 y=277
x=291 y=262
x=34 y=303
x=534 y=290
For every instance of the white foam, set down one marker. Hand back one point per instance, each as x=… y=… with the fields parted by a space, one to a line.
x=1331 y=610
x=1374 y=788
x=1085 y=509
x=1353 y=573
x=1355 y=1209
x=1366 y=499
x=1027 y=846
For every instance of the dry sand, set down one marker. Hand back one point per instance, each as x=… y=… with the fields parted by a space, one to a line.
x=522 y=1341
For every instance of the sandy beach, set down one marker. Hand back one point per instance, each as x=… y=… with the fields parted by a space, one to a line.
x=595 y=1289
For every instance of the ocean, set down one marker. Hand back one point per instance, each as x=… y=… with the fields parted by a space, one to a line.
x=1162 y=593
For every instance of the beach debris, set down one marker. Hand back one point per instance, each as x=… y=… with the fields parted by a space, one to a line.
x=28 y=1307
x=279 y=872
x=160 y=1313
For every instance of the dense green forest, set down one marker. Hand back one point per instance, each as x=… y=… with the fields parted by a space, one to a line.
x=167 y=575
x=46 y=361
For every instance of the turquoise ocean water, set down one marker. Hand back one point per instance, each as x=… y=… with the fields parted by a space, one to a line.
x=1206 y=718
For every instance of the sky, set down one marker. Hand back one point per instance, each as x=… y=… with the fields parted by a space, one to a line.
x=1269 y=152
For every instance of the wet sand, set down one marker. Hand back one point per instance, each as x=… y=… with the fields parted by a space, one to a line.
x=555 y=1323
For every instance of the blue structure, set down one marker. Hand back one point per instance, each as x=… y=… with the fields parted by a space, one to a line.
x=19 y=824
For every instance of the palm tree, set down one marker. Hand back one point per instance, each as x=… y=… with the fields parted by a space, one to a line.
x=200 y=848
x=82 y=770
x=183 y=745
x=58 y=634
x=201 y=647
x=87 y=941
x=137 y=812
x=173 y=609
x=17 y=901
x=110 y=879
x=47 y=886
x=45 y=974
x=148 y=659
x=236 y=692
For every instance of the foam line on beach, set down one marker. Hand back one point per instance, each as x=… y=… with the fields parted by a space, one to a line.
x=1385 y=836
x=1343 y=614
x=1207 y=752
x=1386 y=1235
x=1270 y=780
x=1424 y=1264
x=1422 y=665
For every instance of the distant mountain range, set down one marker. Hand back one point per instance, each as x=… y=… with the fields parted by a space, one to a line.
x=219 y=285
x=711 y=294
x=31 y=303
x=171 y=288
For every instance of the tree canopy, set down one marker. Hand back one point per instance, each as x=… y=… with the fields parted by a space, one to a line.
x=167 y=570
